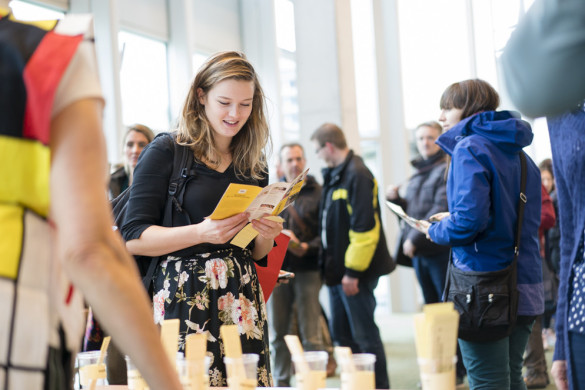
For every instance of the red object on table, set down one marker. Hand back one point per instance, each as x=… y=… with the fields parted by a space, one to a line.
x=268 y=275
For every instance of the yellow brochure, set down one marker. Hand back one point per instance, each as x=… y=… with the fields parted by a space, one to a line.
x=258 y=201
x=235 y=200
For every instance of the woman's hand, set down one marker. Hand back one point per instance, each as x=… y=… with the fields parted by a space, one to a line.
x=559 y=373
x=439 y=216
x=266 y=228
x=220 y=231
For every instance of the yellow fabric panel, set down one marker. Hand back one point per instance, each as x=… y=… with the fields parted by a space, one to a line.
x=11 y=233
x=341 y=193
x=24 y=173
x=362 y=246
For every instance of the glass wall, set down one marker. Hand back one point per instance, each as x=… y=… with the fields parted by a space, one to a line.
x=284 y=16
x=143 y=81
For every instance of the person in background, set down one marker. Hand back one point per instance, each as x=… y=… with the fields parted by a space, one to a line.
x=136 y=138
x=426 y=195
x=354 y=251
x=567 y=132
x=483 y=188
x=202 y=279
x=302 y=258
x=542 y=66
x=56 y=243
x=552 y=255
x=536 y=375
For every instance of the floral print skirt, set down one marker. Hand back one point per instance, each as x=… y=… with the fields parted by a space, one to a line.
x=208 y=290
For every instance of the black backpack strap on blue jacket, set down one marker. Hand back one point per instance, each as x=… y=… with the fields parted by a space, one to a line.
x=181 y=174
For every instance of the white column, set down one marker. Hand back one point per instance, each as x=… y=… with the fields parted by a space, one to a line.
x=106 y=27
x=179 y=54
x=259 y=45
x=394 y=137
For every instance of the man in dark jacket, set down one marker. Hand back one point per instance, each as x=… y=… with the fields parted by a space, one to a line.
x=354 y=246
x=302 y=258
x=426 y=195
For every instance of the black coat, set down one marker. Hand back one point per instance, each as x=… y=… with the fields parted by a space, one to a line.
x=426 y=195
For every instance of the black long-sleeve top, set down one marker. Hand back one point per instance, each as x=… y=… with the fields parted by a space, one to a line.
x=150 y=187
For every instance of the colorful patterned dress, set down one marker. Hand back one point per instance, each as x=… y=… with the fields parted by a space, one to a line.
x=206 y=285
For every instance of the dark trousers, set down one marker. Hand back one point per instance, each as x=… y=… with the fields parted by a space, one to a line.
x=352 y=325
x=497 y=365
x=534 y=360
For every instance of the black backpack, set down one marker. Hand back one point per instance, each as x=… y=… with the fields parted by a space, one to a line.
x=173 y=214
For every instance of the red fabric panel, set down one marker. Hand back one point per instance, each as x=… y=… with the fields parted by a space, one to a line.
x=42 y=75
x=268 y=275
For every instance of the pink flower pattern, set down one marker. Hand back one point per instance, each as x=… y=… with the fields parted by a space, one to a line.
x=208 y=290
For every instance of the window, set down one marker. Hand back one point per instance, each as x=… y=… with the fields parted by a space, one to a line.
x=364 y=57
x=26 y=11
x=143 y=81
x=287 y=66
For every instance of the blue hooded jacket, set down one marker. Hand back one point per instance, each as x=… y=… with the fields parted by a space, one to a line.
x=483 y=188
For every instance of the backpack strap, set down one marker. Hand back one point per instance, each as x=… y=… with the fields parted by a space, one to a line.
x=182 y=163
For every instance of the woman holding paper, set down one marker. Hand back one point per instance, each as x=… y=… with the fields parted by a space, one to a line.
x=483 y=188
x=202 y=279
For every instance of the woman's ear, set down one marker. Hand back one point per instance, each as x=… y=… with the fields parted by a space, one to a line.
x=201 y=96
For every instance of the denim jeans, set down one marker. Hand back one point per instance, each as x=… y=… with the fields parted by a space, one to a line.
x=304 y=290
x=352 y=325
x=497 y=365
x=431 y=273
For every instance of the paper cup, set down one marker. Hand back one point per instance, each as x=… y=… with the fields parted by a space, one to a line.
x=363 y=377
x=89 y=369
x=242 y=373
x=314 y=378
x=135 y=379
x=194 y=374
x=437 y=374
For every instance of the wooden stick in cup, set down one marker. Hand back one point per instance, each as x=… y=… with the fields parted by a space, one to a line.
x=345 y=357
x=195 y=346
x=296 y=349
x=169 y=334
x=233 y=347
x=103 y=349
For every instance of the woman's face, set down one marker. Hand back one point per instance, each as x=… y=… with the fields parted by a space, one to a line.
x=547 y=180
x=135 y=142
x=228 y=106
x=450 y=117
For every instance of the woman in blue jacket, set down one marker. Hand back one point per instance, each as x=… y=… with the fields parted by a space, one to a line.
x=483 y=187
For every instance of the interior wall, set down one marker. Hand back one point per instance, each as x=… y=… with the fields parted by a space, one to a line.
x=216 y=25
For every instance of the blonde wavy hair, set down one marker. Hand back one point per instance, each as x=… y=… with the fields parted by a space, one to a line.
x=195 y=131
